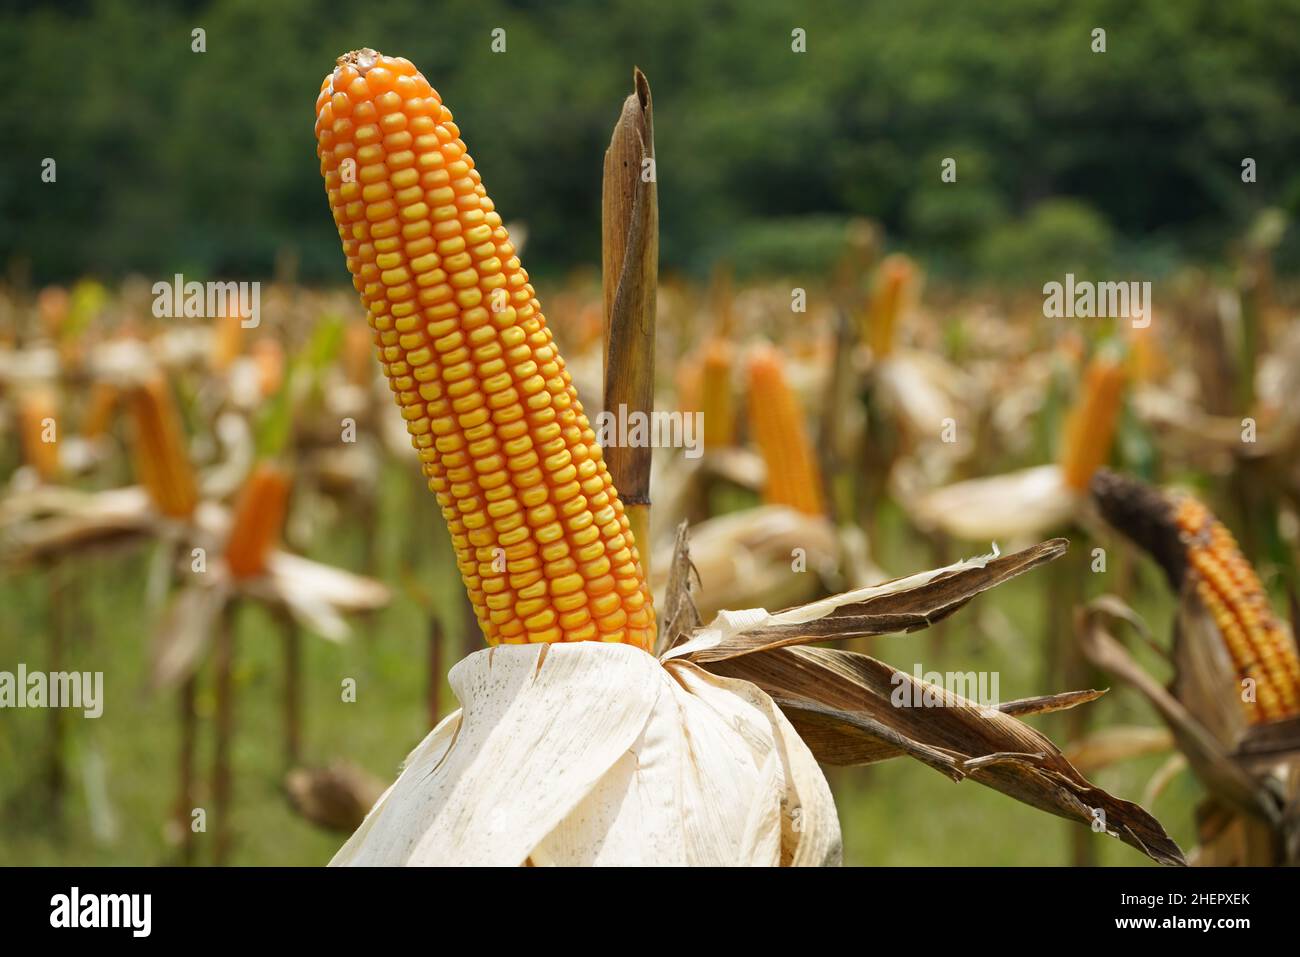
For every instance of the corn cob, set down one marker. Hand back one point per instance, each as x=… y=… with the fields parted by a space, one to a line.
x=99 y=410
x=1090 y=427
x=793 y=478
x=34 y=407
x=897 y=275
x=718 y=398
x=357 y=346
x=542 y=542
x=227 y=339
x=259 y=516
x=268 y=355
x=1260 y=645
x=1146 y=362
x=158 y=449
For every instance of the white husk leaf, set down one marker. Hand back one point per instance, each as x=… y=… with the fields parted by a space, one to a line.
x=1014 y=507
x=591 y=753
x=728 y=622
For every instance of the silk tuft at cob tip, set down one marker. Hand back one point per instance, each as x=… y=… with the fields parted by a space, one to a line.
x=542 y=540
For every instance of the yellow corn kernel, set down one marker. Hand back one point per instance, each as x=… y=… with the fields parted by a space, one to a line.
x=1090 y=426
x=1259 y=643
x=776 y=419
x=503 y=439
x=158 y=449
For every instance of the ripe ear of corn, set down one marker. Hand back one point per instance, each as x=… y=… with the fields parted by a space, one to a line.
x=719 y=405
x=1261 y=646
x=358 y=349
x=34 y=408
x=892 y=288
x=542 y=542
x=1090 y=427
x=777 y=422
x=158 y=449
x=227 y=339
x=99 y=410
x=258 y=518
x=268 y=355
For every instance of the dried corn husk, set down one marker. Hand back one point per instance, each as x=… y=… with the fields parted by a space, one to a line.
x=1017 y=506
x=592 y=753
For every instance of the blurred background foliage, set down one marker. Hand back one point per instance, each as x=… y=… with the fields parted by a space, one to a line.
x=170 y=160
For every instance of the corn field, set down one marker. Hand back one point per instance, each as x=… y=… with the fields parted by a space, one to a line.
x=712 y=558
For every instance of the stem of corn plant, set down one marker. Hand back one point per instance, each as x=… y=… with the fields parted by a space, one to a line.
x=56 y=772
x=1066 y=592
x=630 y=273
x=223 y=668
x=185 y=790
x=837 y=446
x=292 y=637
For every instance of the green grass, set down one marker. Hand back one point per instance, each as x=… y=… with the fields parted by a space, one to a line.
x=122 y=766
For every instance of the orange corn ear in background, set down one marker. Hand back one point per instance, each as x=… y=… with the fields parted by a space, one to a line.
x=158 y=449
x=1260 y=645
x=34 y=408
x=259 y=516
x=99 y=410
x=718 y=400
x=541 y=538
x=1090 y=427
x=776 y=420
x=897 y=275
x=227 y=339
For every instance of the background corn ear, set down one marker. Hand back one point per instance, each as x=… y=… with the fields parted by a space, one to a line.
x=158 y=449
x=35 y=406
x=718 y=397
x=893 y=288
x=258 y=518
x=99 y=410
x=541 y=538
x=1260 y=644
x=1090 y=427
x=777 y=422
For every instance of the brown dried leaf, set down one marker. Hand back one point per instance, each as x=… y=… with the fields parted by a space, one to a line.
x=1107 y=746
x=1046 y=704
x=842 y=704
x=679 y=617
x=182 y=638
x=1205 y=679
x=903 y=610
x=1205 y=752
x=336 y=797
x=630 y=269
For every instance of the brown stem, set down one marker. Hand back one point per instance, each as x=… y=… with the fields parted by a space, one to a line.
x=223 y=663
x=292 y=689
x=185 y=791
x=56 y=773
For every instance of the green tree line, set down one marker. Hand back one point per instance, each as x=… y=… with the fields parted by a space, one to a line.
x=172 y=160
